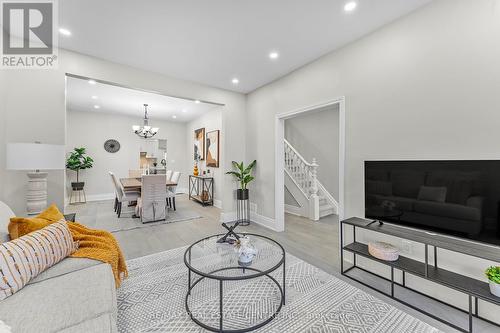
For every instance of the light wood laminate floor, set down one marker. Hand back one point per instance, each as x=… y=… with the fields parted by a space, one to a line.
x=314 y=242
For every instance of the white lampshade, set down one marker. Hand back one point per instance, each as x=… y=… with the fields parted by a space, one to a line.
x=35 y=156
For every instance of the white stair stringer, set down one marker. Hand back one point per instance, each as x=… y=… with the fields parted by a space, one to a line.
x=298 y=195
x=301 y=181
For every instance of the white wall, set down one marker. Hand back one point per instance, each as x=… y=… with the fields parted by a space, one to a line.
x=34 y=101
x=92 y=129
x=210 y=121
x=424 y=87
x=316 y=135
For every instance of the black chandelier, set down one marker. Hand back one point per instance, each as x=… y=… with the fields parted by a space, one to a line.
x=145 y=131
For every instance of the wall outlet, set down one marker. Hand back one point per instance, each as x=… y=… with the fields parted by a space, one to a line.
x=406 y=246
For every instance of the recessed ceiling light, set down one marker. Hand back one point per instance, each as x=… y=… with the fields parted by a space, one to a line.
x=184 y=110
x=95 y=97
x=64 y=32
x=197 y=102
x=96 y=106
x=350 y=6
x=274 y=55
x=92 y=82
x=235 y=81
x=174 y=116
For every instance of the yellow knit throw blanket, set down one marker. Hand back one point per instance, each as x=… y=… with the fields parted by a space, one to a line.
x=93 y=244
x=99 y=245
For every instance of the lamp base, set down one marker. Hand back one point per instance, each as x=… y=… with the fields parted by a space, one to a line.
x=36 y=197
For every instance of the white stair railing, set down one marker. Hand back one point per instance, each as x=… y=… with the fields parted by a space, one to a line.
x=304 y=175
x=303 y=172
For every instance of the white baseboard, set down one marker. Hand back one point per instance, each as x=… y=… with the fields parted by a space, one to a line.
x=259 y=219
x=294 y=210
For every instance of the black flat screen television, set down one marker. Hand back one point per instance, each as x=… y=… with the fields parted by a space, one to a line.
x=457 y=198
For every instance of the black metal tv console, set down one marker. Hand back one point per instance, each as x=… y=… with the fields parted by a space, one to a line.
x=474 y=289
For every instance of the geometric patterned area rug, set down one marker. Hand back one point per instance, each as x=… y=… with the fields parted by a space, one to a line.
x=152 y=299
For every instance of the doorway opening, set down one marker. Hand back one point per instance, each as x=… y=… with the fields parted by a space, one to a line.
x=302 y=148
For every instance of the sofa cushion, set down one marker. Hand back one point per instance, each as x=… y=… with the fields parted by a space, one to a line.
x=62 y=302
x=448 y=210
x=24 y=258
x=460 y=185
x=406 y=183
x=66 y=266
x=20 y=226
x=378 y=187
x=432 y=193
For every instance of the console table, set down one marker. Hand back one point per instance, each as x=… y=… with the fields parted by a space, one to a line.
x=474 y=289
x=201 y=189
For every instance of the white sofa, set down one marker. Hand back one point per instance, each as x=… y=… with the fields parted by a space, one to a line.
x=76 y=295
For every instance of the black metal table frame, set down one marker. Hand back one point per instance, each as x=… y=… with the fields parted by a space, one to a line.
x=221 y=279
x=207 y=185
x=471 y=298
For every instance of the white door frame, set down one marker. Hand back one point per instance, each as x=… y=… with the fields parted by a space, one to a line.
x=279 y=180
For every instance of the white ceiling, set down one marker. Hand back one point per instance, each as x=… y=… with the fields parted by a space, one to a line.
x=129 y=102
x=213 y=41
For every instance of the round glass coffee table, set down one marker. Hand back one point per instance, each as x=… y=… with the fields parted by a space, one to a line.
x=223 y=295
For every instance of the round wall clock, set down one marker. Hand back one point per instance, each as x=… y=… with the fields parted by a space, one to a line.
x=111 y=146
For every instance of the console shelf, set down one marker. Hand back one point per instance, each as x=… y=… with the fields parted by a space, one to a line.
x=475 y=289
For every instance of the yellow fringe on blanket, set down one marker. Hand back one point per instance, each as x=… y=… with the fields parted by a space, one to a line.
x=99 y=245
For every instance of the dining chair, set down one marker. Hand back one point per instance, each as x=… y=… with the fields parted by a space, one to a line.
x=151 y=206
x=135 y=173
x=169 y=174
x=171 y=191
x=114 y=189
x=122 y=195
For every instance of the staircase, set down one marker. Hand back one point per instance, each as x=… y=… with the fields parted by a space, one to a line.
x=301 y=181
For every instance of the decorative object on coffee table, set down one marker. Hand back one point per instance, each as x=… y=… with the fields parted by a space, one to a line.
x=383 y=251
x=493 y=274
x=35 y=157
x=246 y=251
x=244 y=176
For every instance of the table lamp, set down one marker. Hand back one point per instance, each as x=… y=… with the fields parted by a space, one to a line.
x=35 y=157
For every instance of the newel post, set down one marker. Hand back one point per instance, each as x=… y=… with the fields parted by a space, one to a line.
x=314 y=199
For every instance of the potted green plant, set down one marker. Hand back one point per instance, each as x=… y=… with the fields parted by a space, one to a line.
x=243 y=175
x=78 y=160
x=493 y=274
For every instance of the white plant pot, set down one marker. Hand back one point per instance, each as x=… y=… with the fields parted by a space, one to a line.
x=495 y=288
